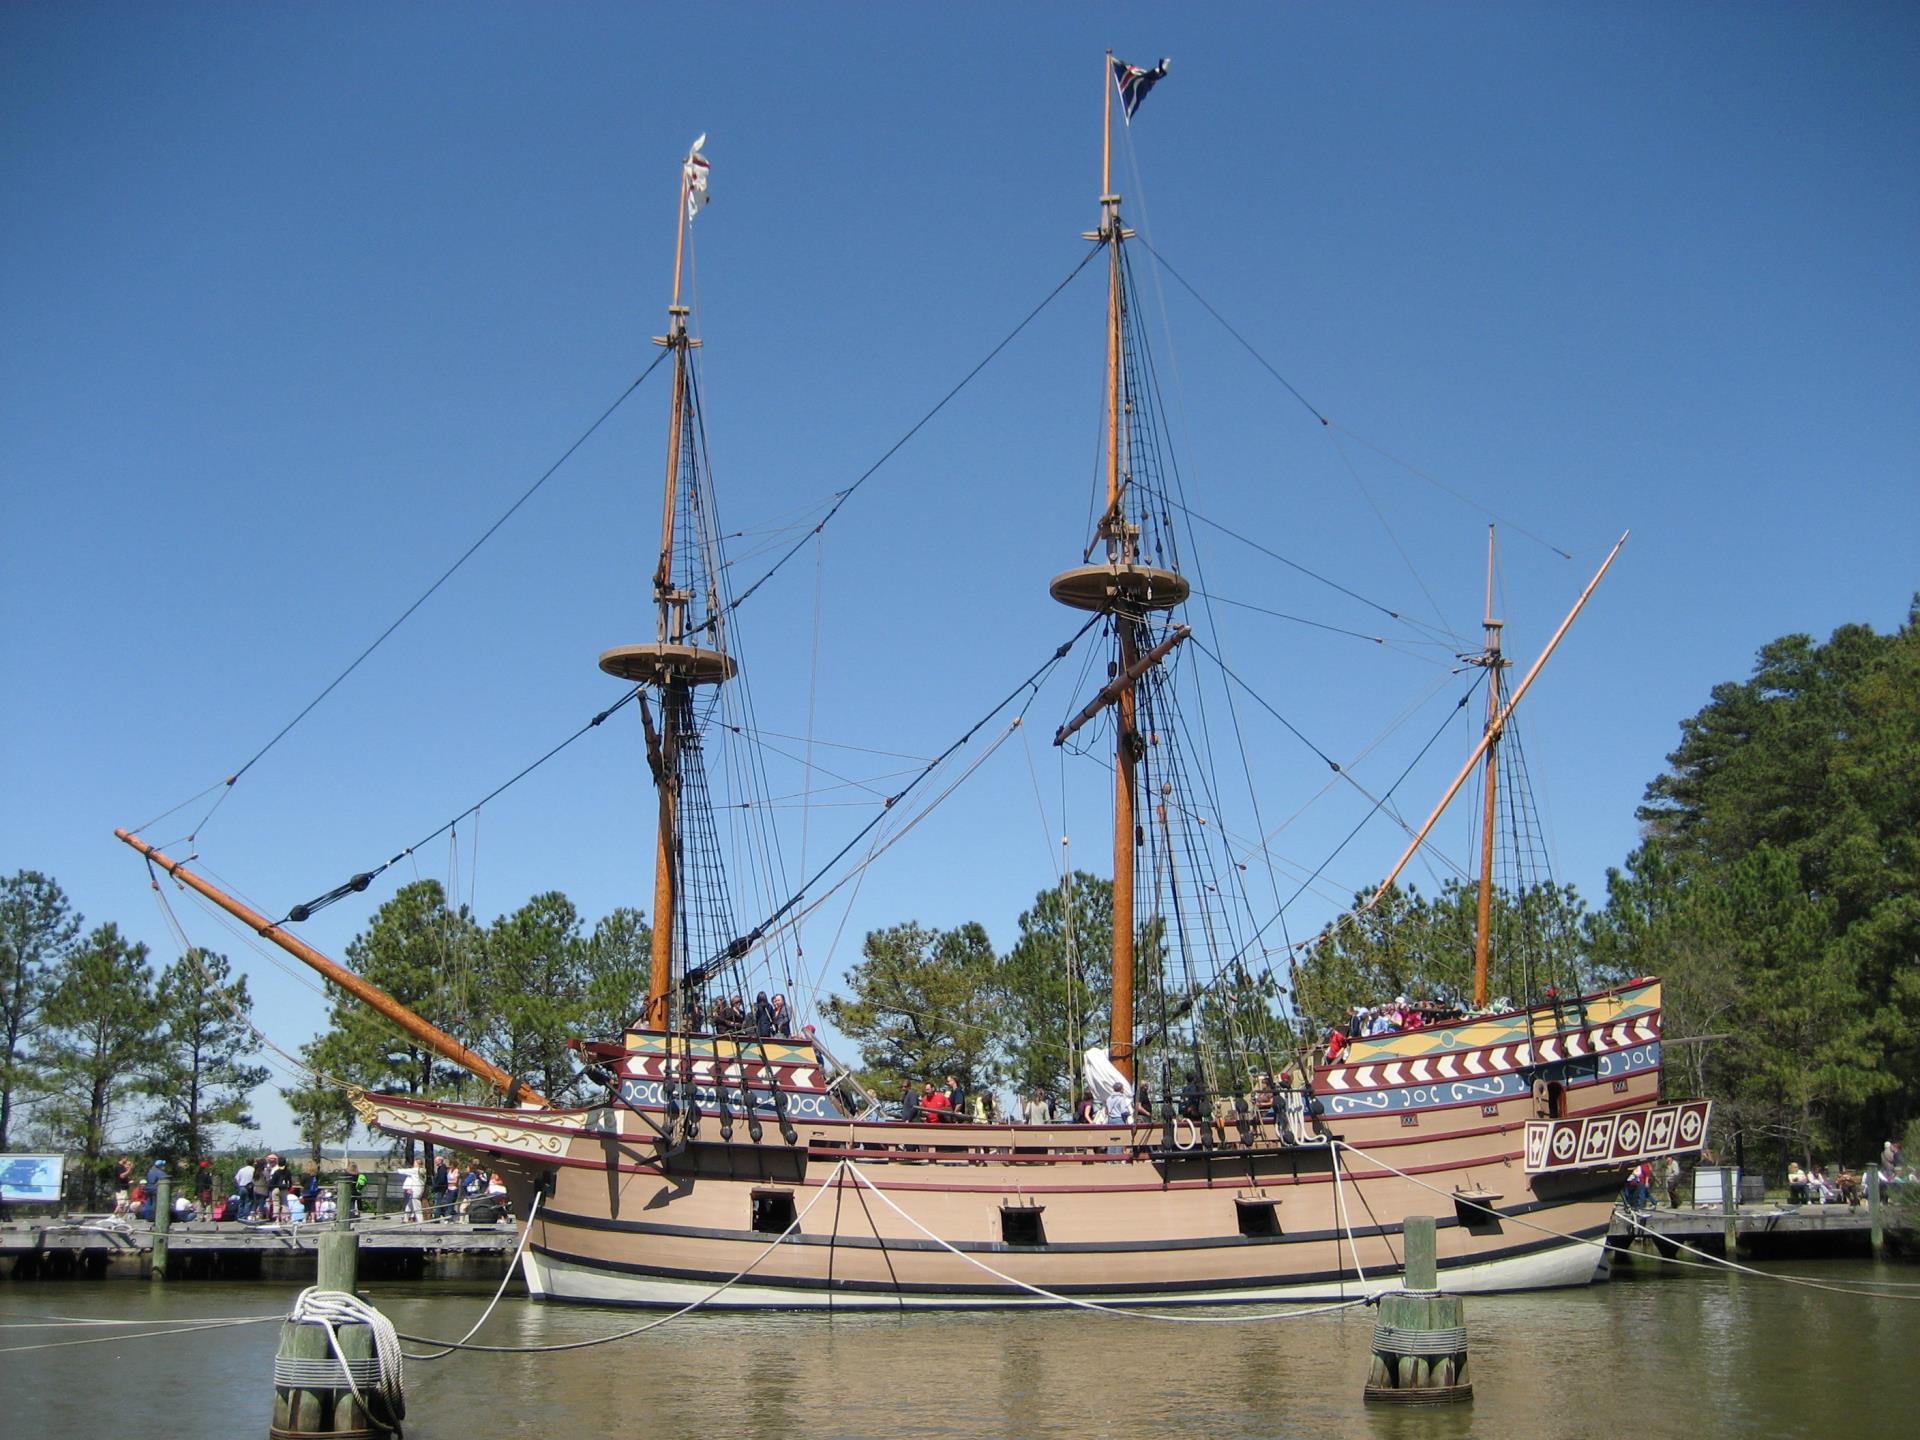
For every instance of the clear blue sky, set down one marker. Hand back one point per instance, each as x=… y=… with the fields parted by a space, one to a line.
x=296 y=299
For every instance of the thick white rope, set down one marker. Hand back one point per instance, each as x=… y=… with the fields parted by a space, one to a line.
x=330 y=1309
x=827 y=1185
x=1340 y=1210
x=1873 y=1289
x=1122 y=1311
x=526 y=1234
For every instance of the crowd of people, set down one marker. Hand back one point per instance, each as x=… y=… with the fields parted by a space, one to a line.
x=451 y=1192
x=271 y=1191
x=1843 y=1186
x=767 y=1018
x=1399 y=1015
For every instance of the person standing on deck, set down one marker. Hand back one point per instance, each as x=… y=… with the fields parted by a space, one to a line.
x=1036 y=1111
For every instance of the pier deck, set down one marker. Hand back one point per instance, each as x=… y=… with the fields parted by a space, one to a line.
x=1760 y=1231
x=97 y=1244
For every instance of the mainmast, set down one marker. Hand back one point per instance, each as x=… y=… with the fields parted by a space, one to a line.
x=1122 y=588
x=1490 y=658
x=672 y=667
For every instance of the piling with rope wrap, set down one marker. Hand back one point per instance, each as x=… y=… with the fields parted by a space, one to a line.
x=316 y=1389
x=1420 y=1335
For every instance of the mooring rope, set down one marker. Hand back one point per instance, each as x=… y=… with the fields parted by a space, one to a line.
x=179 y=1327
x=628 y=1334
x=1880 y=1288
x=1124 y=1312
x=526 y=1234
x=330 y=1309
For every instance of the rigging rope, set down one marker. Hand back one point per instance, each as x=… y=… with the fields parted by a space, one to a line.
x=226 y=786
x=894 y=448
x=365 y=878
x=1330 y=423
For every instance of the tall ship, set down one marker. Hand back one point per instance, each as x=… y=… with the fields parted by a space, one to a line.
x=741 y=1165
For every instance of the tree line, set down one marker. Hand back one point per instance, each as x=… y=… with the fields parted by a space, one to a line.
x=91 y=1033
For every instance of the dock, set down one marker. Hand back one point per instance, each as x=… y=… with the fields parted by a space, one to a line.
x=103 y=1245
x=1765 y=1231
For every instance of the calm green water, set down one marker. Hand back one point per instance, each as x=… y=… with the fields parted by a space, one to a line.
x=1700 y=1356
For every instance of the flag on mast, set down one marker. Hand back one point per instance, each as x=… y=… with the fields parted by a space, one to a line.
x=696 y=172
x=1134 y=83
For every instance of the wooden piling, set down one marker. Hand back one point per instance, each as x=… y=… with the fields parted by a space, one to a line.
x=305 y=1411
x=162 y=1219
x=1877 y=1228
x=1730 y=1211
x=1420 y=1335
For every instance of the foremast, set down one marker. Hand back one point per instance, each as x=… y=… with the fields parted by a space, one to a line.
x=1495 y=665
x=1127 y=590
x=674 y=667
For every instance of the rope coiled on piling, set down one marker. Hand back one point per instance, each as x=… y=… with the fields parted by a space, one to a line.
x=330 y=1309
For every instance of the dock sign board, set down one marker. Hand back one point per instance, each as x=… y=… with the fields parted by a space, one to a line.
x=31 y=1179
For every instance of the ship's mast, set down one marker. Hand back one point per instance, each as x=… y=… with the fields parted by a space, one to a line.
x=670 y=666
x=1122 y=588
x=1490 y=658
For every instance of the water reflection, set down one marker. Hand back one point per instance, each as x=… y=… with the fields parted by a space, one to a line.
x=1703 y=1356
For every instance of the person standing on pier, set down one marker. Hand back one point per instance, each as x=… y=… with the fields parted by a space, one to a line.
x=442 y=1188
x=243 y=1187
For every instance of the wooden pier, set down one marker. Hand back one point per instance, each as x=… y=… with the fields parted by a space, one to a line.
x=1760 y=1232
x=101 y=1245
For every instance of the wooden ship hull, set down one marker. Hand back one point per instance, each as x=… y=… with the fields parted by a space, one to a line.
x=1305 y=1204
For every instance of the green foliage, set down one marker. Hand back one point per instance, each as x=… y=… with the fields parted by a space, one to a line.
x=1779 y=891
x=321 y=1108
x=1407 y=944
x=536 y=971
x=196 y=1069
x=427 y=957
x=1054 y=986
x=37 y=931
x=100 y=1024
x=923 y=1006
x=618 y=962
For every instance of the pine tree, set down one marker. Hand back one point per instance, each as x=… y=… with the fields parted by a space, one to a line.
x=100 y=1025
x=197 y=1068
x=37 y=931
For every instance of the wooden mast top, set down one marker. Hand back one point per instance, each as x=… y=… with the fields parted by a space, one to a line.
x=670 y=660
x=672 y=665
x=1491 y=659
